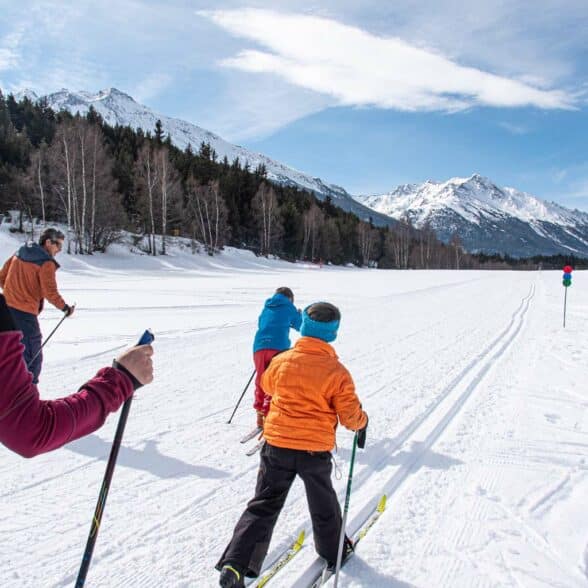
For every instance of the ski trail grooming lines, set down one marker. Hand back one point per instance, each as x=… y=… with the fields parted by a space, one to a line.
x=146 y=339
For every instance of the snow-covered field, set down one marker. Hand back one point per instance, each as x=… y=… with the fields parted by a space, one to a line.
x=478 y=426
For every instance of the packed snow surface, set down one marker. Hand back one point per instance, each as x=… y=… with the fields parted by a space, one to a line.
x=478 y=426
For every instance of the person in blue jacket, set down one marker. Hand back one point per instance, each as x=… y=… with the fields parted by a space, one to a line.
x=277 y=317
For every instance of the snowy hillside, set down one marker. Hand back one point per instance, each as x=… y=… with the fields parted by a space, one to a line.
x=118 y=108
x=477 y=434
x=488 y=218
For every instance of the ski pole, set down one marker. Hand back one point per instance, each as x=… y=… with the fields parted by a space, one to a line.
x=145 y=339
x=346 y=509
x=47 y=339
x=241 y=398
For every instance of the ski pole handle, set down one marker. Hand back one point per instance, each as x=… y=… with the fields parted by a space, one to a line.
x=146 y=338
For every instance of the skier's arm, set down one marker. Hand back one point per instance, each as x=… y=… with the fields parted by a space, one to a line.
x=347 y=405
x=296 y=319
x=49 y=285
x=4 y=271
x=30 y=426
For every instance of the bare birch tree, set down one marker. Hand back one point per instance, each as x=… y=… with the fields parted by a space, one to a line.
x=265 y=203
x=367 y=238
x=313 y=220
x=168 y=188
x=455 y=244
x=148 y=179
x=207 y=212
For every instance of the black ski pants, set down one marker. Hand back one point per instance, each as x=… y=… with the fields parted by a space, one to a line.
x=277 y=470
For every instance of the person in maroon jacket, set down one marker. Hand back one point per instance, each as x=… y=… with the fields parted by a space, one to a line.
x=30 y=426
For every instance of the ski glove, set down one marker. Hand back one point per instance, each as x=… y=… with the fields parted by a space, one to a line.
x=6 y=322
x=68 y=310
x=361 y=435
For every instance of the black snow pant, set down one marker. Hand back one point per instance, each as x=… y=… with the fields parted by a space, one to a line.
x=277 y=470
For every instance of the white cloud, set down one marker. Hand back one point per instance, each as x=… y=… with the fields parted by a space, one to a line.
x=151 y=86
x=10 y=52
x=253 y=108
x=358 y=68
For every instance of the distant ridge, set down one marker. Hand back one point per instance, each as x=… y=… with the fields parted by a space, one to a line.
x=488 y=218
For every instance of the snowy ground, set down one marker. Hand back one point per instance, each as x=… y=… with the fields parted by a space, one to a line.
x=478 y=426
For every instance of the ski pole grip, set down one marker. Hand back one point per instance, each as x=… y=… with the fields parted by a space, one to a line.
x=146 y=338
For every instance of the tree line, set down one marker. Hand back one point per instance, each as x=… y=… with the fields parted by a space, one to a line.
x=99 y=180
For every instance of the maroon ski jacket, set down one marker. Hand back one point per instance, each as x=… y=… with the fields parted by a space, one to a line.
x=30 y=426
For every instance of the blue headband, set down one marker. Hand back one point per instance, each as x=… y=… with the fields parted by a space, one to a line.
x=311 y=328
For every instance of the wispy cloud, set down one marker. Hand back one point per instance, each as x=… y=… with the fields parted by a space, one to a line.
x=10 y=52
x=514 y=129
x=358 y=68
x=559 y=175
x=579 y=189
x=151 y=86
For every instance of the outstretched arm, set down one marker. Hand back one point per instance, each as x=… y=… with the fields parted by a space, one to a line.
x=296 y=321
x=30 y=426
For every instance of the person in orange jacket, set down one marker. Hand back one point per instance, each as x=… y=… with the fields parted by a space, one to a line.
x=27 y=278
x=311 y=391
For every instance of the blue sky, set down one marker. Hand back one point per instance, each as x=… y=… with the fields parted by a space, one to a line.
x=365 y=95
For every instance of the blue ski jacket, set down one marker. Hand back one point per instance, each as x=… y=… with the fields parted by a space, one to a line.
x=274 y=323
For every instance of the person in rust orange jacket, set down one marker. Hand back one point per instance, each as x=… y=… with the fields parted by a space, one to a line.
x=311 y=391
x=27 y=279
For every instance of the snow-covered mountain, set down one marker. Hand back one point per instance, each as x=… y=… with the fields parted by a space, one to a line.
x=487 y=217
x=118 y=108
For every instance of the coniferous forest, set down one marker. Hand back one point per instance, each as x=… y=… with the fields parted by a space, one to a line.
x=99 y=180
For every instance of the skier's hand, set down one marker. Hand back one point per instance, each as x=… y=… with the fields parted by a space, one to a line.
x=260 y=419
x=362 y=434
x=137 y=360
x=69 y=310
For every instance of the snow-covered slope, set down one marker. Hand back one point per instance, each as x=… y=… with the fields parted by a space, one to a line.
x=487 y=217
x=477 y=432
x=118 y=108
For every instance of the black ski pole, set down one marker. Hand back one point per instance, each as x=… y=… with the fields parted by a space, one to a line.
x=241 y=398
x=346 y=509
x=145 y=339
x=47 y=339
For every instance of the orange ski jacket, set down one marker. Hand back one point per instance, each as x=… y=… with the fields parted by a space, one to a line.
x=310 y=392
x=28 y=277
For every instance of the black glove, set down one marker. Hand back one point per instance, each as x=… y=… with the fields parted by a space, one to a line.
x=68 y=310
x=6 y=322
x=362 y=434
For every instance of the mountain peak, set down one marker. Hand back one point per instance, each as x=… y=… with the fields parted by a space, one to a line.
x=114 y=93
x=118 y=108
x=487 y=217
x=26 y=93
